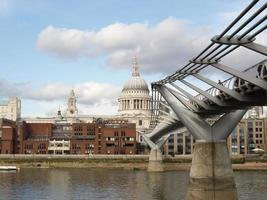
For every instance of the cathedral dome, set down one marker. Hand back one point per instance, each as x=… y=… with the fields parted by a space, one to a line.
x=134 y=103
x=135 y=82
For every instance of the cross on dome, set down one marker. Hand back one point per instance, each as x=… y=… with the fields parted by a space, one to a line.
x=72 y=94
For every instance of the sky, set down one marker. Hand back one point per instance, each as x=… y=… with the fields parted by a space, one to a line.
x=49 y=47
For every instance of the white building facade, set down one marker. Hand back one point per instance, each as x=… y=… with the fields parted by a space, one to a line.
x=59 y=146
x=135 y=101
x=11 y=109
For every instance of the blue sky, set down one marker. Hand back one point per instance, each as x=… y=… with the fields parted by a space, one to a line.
x=48 y=47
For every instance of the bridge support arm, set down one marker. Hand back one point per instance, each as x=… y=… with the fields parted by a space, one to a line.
x=256 y=47
x=204 y=93
x=198 y=127
x=191 y=97
x=164 y=128
x=182 y=100
x=223 y=127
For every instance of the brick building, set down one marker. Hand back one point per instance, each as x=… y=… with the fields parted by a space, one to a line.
x=61 y=137
x=8 y=136
x=103 y=138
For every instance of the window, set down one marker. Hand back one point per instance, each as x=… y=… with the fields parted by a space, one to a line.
x=180 y=140
x=91 y=133
x=78 y=128
x=122 y=133
x=89 y=146
x=76 y=146
x=42 y=146
x=171 y=140
x=129 y=145
x=66 y=145
x=59 y=145
x=116 y=133
x=29 y=146
x=140 y=122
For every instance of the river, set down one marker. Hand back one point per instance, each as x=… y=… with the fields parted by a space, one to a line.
x=31 y=184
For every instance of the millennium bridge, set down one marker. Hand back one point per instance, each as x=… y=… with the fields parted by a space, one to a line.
x=210 y=115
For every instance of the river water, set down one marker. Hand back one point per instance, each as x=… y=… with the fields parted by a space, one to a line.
x=31 y=184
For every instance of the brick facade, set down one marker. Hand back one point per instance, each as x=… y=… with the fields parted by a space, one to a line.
x=77 y=138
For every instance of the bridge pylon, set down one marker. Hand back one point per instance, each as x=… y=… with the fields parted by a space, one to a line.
x=211 y=174
x=157 y=138
x=155 y=162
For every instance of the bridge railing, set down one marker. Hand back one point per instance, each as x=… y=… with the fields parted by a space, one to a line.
x=259 y=70
x=242 y=32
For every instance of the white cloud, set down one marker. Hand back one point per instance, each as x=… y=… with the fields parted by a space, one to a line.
x=166 y=45
x=33 y=108
x=92 y=97
x=88 y=93
x=162 y=48
x=68 y=43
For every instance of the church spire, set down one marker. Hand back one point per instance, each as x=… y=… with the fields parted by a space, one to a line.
x=135 y=67
x=72 y=108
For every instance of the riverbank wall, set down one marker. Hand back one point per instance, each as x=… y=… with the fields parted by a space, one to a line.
x=131 y=162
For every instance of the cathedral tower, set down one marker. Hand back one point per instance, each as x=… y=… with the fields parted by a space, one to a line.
x=72 y=108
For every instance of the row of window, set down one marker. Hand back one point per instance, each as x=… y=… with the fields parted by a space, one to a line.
x=40 y=146
x=124 y=145
x=81 y=128
x=116 y=133
x=88 y=133
x=123 y=139
x=78 y=146
x=4 y=109
x=59 y=145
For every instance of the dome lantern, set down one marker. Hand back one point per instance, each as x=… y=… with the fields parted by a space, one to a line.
x=135 y=82
x=135 y=70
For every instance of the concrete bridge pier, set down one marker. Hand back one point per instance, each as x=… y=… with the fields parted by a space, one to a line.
x=211 y=174
x=155 y=163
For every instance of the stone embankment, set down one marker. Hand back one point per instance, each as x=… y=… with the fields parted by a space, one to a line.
x=131 y=162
